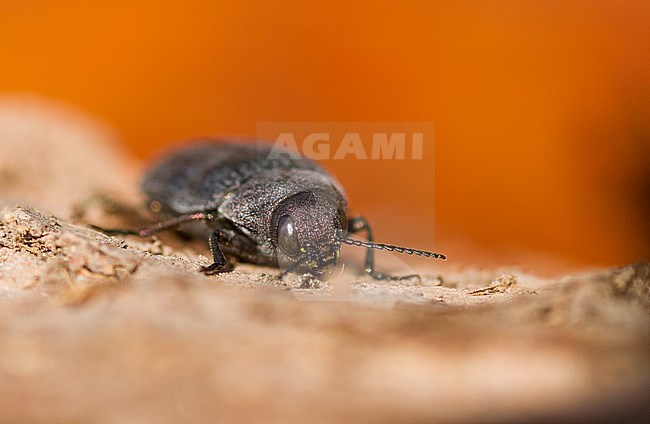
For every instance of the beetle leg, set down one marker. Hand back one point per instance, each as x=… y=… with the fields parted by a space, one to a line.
x=219 y=264
x=161 y=226
x=358 y=224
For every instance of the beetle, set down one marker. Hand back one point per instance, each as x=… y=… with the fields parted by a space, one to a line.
x=262 y=204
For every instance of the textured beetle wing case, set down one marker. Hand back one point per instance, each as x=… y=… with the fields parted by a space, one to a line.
x=198 y=178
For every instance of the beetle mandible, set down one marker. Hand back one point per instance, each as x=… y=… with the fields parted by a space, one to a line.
x=263 y=205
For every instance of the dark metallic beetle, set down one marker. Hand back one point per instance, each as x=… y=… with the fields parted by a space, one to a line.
x=263 y=205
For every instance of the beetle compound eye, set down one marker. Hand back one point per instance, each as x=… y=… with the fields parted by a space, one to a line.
x=287 y=237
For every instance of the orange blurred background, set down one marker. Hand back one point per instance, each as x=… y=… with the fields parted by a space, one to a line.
x=541 y=108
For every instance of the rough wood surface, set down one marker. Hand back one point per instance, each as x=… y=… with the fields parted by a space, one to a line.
x=101 y=329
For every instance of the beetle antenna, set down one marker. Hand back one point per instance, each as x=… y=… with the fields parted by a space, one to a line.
x=392 y=248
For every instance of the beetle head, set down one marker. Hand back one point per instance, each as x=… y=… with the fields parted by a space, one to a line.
x=306 y=229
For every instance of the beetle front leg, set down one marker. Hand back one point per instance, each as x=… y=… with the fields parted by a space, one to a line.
x=358 y=224
x=219 y=263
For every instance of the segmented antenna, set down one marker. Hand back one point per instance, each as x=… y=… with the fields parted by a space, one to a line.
x=392 y=248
